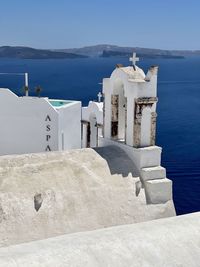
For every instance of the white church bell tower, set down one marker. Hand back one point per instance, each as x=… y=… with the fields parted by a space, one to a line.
x=130 y=99
x=129 y=122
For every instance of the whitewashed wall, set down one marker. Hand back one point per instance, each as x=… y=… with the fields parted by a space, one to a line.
x=93 y=114
x=70 y=126
x=30 y=124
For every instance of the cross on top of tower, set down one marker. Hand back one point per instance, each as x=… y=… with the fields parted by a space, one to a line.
x=134 y=59
x=99 y=96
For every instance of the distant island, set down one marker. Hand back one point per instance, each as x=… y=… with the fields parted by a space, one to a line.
x=31 y=53
x=102 y=50
x=106 y=50
x=108 y=53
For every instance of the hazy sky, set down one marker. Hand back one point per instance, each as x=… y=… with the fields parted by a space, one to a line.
x=169 y=24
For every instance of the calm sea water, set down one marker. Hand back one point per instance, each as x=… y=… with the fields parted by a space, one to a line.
x=178 y=127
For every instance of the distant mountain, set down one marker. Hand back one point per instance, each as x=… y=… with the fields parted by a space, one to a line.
x=31 y=53
x=95 y=50
x=102 y=50
x=108 y=50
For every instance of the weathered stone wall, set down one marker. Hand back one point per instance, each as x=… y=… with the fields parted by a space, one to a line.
x=140 y=104
x=44 y=195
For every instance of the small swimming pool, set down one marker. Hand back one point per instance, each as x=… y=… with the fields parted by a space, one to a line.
x=59 y=103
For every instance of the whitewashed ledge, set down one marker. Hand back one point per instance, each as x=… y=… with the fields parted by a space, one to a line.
x=167 y=242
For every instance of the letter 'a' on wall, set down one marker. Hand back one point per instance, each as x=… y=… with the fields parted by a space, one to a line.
x=48 y=118
x=48 y=148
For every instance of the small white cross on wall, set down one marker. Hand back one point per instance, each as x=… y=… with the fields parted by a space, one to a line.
x=134 y=59
x=99 y=96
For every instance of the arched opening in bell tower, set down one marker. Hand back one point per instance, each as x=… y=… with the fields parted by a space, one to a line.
x=93 y=130
x=146 y=127
x=119 y=112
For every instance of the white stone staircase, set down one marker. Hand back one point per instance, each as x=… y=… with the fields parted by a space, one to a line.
x=158 y=188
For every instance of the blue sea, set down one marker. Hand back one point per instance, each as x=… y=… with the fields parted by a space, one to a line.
x=178 y=127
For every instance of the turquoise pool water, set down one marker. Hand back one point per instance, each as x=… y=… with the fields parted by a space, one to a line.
x=59 y=103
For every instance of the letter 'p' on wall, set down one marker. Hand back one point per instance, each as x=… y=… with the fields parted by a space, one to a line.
x=48 y=137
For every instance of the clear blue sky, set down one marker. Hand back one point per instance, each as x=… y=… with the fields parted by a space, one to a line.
x=169 y=24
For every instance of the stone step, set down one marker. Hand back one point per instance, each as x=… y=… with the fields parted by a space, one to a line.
x=152 y=173
x=158 y=191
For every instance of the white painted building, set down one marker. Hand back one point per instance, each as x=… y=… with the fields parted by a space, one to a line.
x=33 y=124
x=92 y=124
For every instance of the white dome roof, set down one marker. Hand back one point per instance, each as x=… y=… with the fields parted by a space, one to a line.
x=134 y=74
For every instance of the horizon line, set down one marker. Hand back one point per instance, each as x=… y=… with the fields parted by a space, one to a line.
x=103 y=44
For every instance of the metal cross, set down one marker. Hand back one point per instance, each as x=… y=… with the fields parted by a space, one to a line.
x=99 y=96
x=134 y=59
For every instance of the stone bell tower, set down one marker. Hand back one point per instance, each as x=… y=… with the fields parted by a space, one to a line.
x=130 y=105
x=129 y=122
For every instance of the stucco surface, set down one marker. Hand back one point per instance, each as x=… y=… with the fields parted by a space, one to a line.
x=171 y=242
x=49 y=194
x=32 y=124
